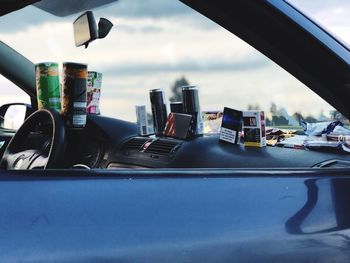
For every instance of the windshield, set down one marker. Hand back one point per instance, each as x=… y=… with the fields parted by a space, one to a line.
x=331 y=14
x=159 y=44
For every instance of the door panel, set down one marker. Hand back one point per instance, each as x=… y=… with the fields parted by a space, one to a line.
x=175 y=216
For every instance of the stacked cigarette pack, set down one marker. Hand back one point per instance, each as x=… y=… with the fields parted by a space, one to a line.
x=231 y=126
x=254 y=128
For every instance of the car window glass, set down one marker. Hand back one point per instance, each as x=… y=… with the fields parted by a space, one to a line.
x=10 y=93
x=331 y=14
x=14 y=117
x=161 y=44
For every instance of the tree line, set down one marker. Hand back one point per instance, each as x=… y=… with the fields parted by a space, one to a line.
x=278 y=115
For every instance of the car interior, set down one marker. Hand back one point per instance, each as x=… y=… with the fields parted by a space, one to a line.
x=110 y=143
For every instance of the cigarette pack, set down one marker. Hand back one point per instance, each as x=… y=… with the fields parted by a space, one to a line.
x=142 y=123
x=231 y=126
x=254 y=128
x=179 y=126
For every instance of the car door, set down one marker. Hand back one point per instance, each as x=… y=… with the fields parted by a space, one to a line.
x=182 y=215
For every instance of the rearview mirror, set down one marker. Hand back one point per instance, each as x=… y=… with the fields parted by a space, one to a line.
x=86 y=30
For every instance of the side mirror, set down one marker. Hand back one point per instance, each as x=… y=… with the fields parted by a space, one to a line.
x=13 y=115
x=86 y=30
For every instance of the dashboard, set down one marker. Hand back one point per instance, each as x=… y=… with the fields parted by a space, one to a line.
x=114 y=144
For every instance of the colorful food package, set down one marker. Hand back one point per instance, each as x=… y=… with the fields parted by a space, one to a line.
x=93 y=92
x=231 y=126
x=48 y=86
x=74 y=94
x=212 y=120
x=254 y=128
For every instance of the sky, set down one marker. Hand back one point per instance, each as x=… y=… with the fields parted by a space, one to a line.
x=155 y=42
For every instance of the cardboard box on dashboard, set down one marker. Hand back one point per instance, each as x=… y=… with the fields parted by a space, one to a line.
x=254 y=128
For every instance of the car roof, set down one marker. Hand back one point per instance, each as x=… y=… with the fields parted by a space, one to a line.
x=55 y=7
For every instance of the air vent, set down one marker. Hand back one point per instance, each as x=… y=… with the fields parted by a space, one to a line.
x=162 y=147
x=134 y=143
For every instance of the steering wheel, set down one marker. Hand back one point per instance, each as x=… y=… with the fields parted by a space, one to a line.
x=37 y=144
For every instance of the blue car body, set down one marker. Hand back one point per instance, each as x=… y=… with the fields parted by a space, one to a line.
x=194 y=215
x=175 y=216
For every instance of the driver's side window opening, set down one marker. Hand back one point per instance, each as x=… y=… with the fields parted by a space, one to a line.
x=11 y=93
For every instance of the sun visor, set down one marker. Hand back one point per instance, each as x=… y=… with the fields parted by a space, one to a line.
x=8 y=6
x=69 y=7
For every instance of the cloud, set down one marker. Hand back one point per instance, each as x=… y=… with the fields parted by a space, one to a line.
x=316 y=6
x=153 y=43
x=25 y=18
x=32 y=16
x=331 y=15
x=145 y=8
x=174 y=10
x=140 y=29
x=201 y=65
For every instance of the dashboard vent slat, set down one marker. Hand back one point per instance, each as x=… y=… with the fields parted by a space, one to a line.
x=162 y=147
x=134 y=143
